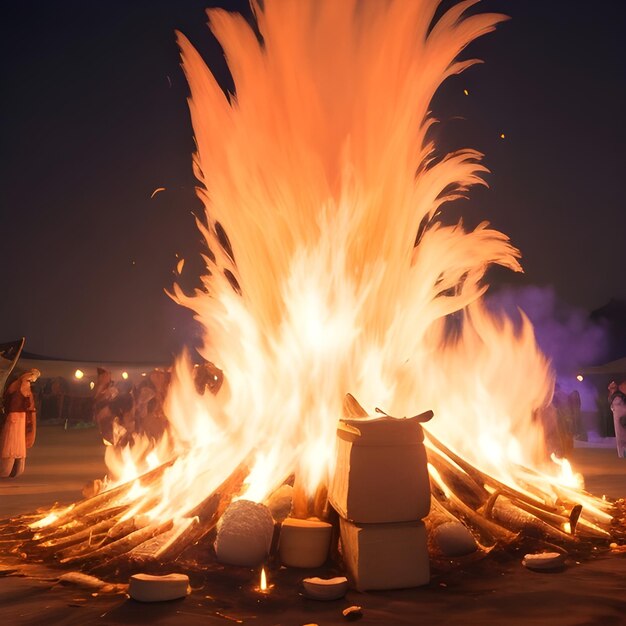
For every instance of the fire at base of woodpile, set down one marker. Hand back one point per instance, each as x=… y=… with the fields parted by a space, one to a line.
x=400 y=503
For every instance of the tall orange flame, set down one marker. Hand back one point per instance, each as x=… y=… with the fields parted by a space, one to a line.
x=317 y=177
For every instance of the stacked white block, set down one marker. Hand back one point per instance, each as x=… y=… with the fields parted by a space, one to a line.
x=381 y=491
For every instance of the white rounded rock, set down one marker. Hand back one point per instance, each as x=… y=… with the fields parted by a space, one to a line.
x=544 y=561
x=325 y=588
x=244 y=534
x=454 y=539
x=148 y=588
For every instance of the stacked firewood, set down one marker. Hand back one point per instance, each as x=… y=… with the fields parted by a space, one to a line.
x=113 y=531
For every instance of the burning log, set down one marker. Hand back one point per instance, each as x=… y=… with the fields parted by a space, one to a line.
x=117 y=547
x=486 y=480
x=490 y=533
x=96 y=505
x=168 y=544
x=304 y=506
x=59 y=544
x=511 y=515
x=460 y=488
x=555 y=514
x=106 y=540
x=458 y=481
x=101 y=535
x=98 y=534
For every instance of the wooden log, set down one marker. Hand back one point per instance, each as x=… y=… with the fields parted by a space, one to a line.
x=208 y=514
x=553 y=519
x=531 y=504
x=487 y=480
x=300 y=500
x=78 y=528
x=487 y=529
x=595 y=509
x=166 y=546
x=440 y=515
x=120 y=546
x=98 y=502
x=55 y=545
x=304 y=506
x=506 y=513
x=471 y=492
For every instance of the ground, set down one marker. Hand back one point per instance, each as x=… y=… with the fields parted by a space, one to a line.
x=493 y=592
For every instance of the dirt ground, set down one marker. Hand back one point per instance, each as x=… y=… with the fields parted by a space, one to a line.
x=493 y=592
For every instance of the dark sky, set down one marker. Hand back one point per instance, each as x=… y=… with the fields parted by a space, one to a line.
x=94 y=118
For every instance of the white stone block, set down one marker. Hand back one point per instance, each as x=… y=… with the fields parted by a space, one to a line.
x=381 y=473
x=385 y=556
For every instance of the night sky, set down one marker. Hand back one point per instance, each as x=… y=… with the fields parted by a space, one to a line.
x=94 y=119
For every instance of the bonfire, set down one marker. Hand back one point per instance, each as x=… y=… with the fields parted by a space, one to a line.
x=331 y=269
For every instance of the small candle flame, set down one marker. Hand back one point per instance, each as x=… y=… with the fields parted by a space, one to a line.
x=263 y=584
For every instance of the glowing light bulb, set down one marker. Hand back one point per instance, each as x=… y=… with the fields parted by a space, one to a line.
x=125 y=375
x=78 y=374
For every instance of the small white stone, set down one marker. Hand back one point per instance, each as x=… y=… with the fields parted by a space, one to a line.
x=454 y=539
x=148 y=588
x=325 y=588
x=544 y=561
x=244 y=534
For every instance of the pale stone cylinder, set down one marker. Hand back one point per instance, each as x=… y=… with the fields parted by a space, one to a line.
x=304 y=543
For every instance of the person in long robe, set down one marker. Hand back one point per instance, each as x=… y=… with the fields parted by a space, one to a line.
x=20 y=424
x=618 y=408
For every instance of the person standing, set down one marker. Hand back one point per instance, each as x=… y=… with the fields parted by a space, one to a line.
x=20 y=424
x=618 y=407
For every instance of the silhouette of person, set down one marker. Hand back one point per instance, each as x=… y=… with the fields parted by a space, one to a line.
x=20 y=425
